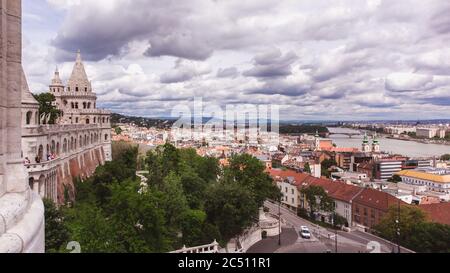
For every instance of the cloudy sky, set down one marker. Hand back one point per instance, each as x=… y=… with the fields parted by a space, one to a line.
x=317 y=59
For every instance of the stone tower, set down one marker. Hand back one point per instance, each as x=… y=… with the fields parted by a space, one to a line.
x=77 y=101
x=366 y=146
x=376 y=145
x=21 y=211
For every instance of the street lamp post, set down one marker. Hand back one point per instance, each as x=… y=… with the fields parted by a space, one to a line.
x=279 y=222
x=335 y=233
x=398 y=226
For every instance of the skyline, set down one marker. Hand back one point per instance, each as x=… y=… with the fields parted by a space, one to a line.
x=353 y=60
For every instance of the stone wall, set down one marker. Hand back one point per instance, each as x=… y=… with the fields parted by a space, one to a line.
x=21 y=210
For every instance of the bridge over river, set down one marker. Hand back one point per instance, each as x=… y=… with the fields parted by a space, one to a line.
x=344 y=131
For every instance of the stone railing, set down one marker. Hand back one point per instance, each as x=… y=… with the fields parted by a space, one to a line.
x=80 y=94
x=211 y=248
x=95 y=111
x=63 y=128
x=249 y=238
x=48 y=165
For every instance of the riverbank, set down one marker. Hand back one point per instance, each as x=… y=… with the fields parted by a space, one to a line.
x=410 y=148
x=423 y=141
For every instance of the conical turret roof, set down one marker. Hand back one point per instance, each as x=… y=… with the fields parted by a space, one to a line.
x=79 y=77
x=27 y=97
x=56 y=81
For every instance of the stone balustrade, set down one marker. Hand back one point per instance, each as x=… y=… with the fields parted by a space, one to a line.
x=83 y=94
x=88 y=112
x=64 y=128
x=211 y=248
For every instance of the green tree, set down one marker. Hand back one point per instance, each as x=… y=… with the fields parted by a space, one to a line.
x=118 y=130
x=318 y=200
x=339 y=221
x=192 y=224
x=89 y=226
x=46 y=106
x=56 y=233
x=326 y=165
x=232 y=208
x=415 y=232
x=409 y=217
x=445 y=157
x=307 y=168
x=396 y=179
x=249 y=172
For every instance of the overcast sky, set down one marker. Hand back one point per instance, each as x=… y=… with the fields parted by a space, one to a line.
x=318 y=59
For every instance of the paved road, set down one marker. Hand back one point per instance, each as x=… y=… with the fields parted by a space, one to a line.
x=324 y=240
x=270 y=245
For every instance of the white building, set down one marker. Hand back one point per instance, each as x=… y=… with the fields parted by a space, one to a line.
x=290 y=193
x=429 y=132
x=437 y=181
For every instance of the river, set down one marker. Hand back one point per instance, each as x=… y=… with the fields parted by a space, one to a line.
x=406 y=148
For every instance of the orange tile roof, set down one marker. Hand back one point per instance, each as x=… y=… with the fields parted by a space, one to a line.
x=377 y=199
x=298 y=177
x=438 y=213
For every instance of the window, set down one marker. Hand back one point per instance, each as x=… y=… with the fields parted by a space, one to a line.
x=85 y=89
x=106 y=137
x=76 y=89
x=29 y=116
x=76 y=120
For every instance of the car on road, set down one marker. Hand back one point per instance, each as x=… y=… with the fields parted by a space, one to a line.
x=304 y=232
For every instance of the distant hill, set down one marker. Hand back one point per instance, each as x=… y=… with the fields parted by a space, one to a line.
x=142 y=122
x=165 y=123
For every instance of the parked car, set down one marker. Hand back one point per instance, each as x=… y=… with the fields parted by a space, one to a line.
x=304 y=232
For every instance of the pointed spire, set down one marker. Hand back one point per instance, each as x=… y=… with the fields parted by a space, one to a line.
x=79 y=80
x=366 y=139
x=78 y=60
x=56 y=81
x=27 y=97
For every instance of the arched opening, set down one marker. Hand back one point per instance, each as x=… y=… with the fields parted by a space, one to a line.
x=57 y=148
x=88 y=121
x=42 y=186
x=40 y=154
x=65 y=146
x=106 y=137
x=31 y=183
x=36 y=118
x=29 y=117
x=84 y=105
